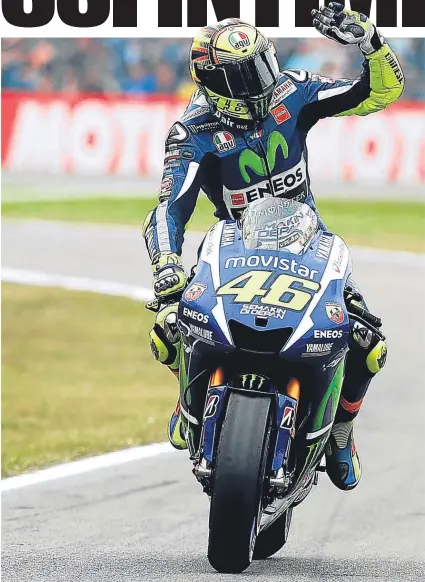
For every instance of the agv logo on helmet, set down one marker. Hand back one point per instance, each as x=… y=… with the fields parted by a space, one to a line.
x=239 y=40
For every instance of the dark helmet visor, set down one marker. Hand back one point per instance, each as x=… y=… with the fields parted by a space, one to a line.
x=250 y=78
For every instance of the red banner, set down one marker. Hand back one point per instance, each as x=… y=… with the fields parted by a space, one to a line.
x=106 y=135
x=94 y=134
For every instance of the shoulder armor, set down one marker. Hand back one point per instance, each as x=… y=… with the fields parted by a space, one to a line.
x=197 y=107
x=298 y=76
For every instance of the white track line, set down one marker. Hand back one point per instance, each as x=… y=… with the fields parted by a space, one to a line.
x=85 y=465
x=38 y=278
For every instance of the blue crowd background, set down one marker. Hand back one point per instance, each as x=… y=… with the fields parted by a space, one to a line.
x=148 y=66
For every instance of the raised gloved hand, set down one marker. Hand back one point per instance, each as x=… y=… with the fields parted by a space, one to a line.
x=347 y=27
x=169 y=277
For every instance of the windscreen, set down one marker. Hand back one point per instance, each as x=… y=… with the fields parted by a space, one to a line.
x=276 y=224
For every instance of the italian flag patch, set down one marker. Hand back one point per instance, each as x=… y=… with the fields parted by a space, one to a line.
x=224 y=141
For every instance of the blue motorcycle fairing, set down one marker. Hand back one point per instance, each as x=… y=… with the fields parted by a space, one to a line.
x=224 y=257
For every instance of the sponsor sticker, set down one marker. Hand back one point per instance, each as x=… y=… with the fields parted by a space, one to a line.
x=321 y=79
x=238 y=199
x=281 y=114
x=289 y=240
x=239 y=40
x=327 y=333
x=202 y=333
x=196 y=315
x=283 y=91
x=228 y=235
x=279 y=185
x=204 y=127
x=395 y=67
x=170 y=166
x=338 y=261
x=257 y=134
x=195 y=291
x=175 y=153
x=273 y=262
x=211 y=407
x=335 y=312
x=263 y=311
x=224 y=141
x=324 y=247
x=312 y=350
x=288 y=418
x=166 y=187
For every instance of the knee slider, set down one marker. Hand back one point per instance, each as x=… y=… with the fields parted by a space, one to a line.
x=377 y=357
x=162 y=349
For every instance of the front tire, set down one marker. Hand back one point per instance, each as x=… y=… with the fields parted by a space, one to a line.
x=238 y=482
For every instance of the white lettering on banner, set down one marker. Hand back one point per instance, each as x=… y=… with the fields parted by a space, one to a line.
x=98 y=137
x=135 y=128
x=38 y=139
x=126 y=137
x=382 y=149
x=411 y=127
x=91 y=147
x=373 y=149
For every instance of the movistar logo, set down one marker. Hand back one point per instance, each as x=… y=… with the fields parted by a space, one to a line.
x=251 y=160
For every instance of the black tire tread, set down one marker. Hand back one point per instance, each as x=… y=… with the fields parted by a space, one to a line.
x=238 y=480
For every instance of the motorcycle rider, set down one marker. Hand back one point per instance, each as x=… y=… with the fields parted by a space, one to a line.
x=245 y=104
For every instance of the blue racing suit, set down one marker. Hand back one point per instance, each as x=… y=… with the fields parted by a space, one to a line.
x=235 y=166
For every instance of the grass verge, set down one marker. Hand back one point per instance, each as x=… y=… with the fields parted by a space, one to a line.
x=78 y=377
x=382 y=224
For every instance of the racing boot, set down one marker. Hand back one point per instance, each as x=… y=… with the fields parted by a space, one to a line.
x=165 y=347
x=365 y=359
x=342 y=461
x=175 y=429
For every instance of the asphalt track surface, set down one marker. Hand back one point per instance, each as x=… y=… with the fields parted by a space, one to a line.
x=147 y=520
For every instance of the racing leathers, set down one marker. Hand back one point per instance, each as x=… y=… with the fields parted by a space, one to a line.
x=234 y=166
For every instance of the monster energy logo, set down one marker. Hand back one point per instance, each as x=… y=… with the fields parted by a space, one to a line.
x=251 y=160
x=253 y=381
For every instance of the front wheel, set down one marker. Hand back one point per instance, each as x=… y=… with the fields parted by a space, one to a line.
x=236 y=501
x=274 y=537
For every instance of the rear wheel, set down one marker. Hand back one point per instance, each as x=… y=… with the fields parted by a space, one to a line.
x=238 y=482
x=274 y=537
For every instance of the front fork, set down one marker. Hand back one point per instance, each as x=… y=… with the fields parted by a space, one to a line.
x=283 y=477
x=285 y=411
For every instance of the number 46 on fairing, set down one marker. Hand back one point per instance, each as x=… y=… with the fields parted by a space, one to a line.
x=285 y=291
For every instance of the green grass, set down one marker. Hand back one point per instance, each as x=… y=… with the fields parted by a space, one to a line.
x=392 y=225
x=78 y=377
